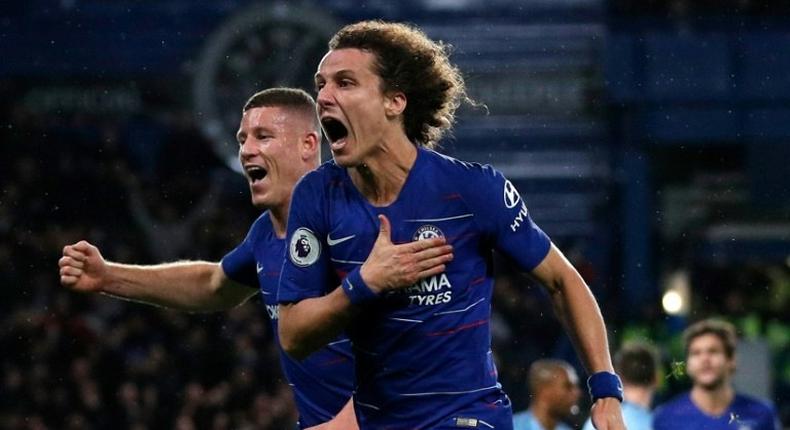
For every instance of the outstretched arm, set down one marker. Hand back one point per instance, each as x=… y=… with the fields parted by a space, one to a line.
x=190 y=286
x=578 y=311
x=309 y=324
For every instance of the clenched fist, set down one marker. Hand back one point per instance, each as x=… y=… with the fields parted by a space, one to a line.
x=82 y=267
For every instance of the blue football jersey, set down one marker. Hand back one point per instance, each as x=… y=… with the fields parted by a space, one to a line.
x=745 y=413
x=323 y=382
x=423 y=353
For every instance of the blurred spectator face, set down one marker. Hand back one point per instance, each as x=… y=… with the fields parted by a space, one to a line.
x=269 y=152
x=707 y=363
x=563 y=394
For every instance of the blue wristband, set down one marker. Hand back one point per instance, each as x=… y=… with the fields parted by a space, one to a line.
x=605 y=384
x=356 y=289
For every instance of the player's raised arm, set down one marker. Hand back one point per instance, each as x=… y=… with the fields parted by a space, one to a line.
x=191 y=286
x=309 y=324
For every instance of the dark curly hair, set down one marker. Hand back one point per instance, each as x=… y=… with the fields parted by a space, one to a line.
x=409 y=62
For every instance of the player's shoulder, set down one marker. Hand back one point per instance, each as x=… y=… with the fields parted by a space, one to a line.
x=316 y=181
x=522 y=420
x=679 y=404
x=454 y=165
x=635 y=416
x=262 y=223
x=261 y=228
x=753 y=404
x=469 y=178
x=328 y=170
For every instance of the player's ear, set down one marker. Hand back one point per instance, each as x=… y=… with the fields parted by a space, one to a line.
x=394 y=103
x=309 y=145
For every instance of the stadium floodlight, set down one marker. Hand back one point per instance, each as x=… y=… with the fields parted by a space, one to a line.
x=672 y=302
x=676 y=299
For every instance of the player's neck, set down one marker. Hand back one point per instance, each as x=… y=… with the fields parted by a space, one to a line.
x=713 y=401
x=383 y=173
x=279 y=216
x=638 y=395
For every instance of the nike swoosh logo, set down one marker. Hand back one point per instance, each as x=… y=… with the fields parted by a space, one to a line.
x=333 y=242
x=258 y=267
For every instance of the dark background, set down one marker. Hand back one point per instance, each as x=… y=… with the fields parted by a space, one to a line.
x=649 y=139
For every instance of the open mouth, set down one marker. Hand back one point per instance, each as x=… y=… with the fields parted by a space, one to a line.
x=334 y=129
x=255 y=173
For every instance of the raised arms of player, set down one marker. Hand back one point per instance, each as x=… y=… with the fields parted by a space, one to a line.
x=309 y=324
x=190 y=286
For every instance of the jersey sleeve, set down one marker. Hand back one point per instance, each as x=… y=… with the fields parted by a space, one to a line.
x=239 y=264
x=306 y=267
x=503 y=216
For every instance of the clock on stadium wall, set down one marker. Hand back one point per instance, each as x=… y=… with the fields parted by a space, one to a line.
x=266 y=45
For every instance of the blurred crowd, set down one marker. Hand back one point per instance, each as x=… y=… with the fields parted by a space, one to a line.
x=147 y=194
x=79 y=361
